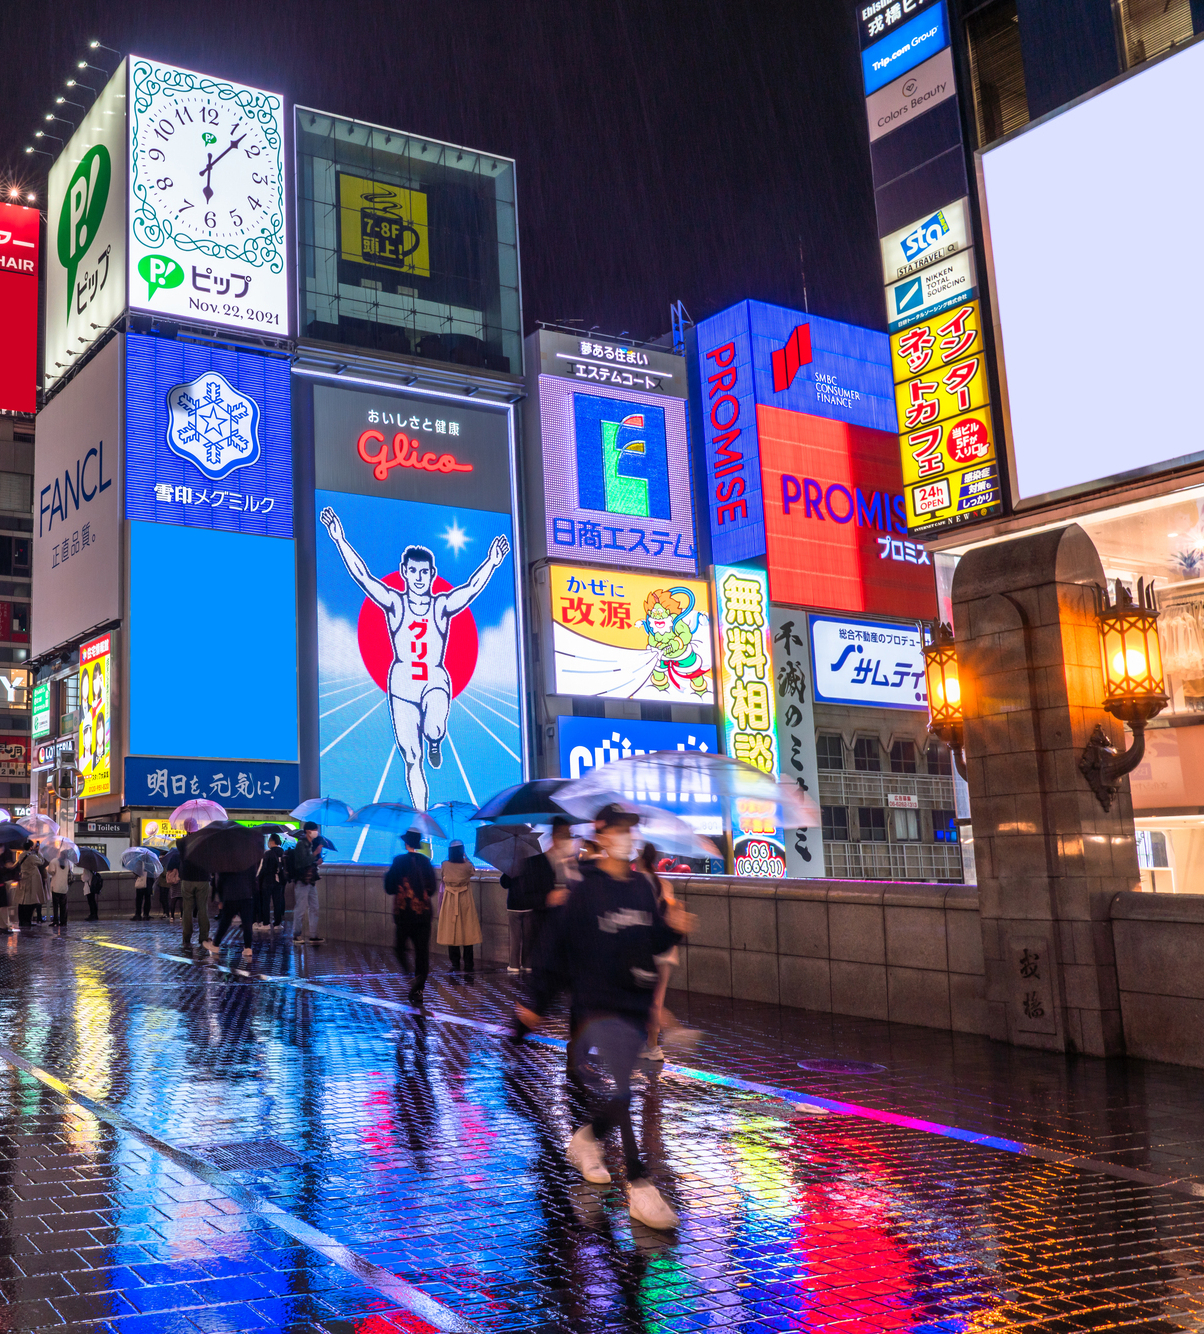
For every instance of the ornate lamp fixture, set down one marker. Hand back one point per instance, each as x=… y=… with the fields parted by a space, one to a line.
x=945 y=693
x=1133 y=687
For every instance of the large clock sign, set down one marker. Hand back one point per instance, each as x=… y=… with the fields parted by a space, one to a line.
x=207 y=200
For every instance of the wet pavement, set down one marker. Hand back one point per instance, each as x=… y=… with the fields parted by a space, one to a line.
x=191 y=1145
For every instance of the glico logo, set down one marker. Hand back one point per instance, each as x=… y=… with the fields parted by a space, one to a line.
x=927 y=234
x=405 y=455
x=622 y=457
x=883 y=510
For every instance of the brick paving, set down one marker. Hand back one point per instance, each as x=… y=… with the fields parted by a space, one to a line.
x=189 y=1146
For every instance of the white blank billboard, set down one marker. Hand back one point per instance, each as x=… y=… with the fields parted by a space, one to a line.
x=1093 y=219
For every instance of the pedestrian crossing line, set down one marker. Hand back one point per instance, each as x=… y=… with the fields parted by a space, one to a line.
x=806 y=1102
x=371 y=1275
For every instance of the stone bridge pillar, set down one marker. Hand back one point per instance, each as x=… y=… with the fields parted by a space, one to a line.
x=1050 y=858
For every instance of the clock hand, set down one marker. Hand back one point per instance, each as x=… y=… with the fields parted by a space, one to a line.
x=207 y=170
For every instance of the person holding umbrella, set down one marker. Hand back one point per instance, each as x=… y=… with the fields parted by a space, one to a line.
x=459 y=925
x=410 y=882
x=194 y=887
x=606 y=940
x=60 y=881
x=270 y=884
x=237 y=891
x=304 y=860
x=31 y=888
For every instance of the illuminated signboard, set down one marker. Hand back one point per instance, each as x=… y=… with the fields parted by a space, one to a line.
x=895 y=50
x=86 y=232
x=609 y=459
x=868 y=662
x=418 y=675
x=755 y=354
x=937 y=287
x=14 y=756
x=881 y=19
x=743 y=640
x=235 y=784
x=207 y=200
x=947 y=445
x=630 y=636
x=95 y=717
x=19 y=232
x=208 y=437
x=383 y=226
x=41 y=709
x=804 y=848
x=926 y=241
x=589 y=743
x=835 y=519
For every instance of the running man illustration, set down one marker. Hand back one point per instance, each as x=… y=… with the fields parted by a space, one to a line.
x=420 y=688
x=665 y=612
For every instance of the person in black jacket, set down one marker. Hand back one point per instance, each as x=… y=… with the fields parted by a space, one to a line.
x=605 y=940
x=194 y=890
x=270 y=883
x=411 y=882
x=237 y=892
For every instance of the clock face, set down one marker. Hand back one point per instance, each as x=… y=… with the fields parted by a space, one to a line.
x=208 y=169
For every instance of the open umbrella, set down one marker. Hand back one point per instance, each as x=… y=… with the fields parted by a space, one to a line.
x=535 y=802
x=323 y=810
x=224 y=845
x=202 y=811
x=388 y=817
x=4 y=815
x=54 y=848
x=142 y=861
x=13 y=836
x=456 y=810
x=91 y=860
x=323 y=842
x=39 y=826
x=709 y=781
x=506 y=846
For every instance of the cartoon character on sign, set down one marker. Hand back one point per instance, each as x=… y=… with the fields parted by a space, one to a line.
x=419 y=618
x=669 y=637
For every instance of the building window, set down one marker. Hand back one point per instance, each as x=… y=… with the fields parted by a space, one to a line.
x=1151 y=849
x=829 y=752
x=1149 y=27
x=997 y=72
x=835 y=823
x=939 y=759
x=15 y=556
x=907 y=826
x=867 y=755
x=903 y=757
x=944 y=826
x=871 y=824
x=16 y=491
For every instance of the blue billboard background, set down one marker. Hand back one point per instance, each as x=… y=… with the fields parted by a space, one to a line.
x=183 y=470
x=213 y=674
x=904 y=48
x=358 y=754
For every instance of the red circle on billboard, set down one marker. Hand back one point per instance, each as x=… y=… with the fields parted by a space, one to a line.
x=968 y=441
x=376 y=648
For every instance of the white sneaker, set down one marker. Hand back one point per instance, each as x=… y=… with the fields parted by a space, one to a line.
x=585 y=1153
x=513 y=970
x=298 y=943
x=648 y=1205
x=652 y=1054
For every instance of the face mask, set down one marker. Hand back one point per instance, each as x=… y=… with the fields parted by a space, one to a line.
x=617 y=841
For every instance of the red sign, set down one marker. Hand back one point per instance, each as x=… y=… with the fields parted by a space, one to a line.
x=405 y=455
x=835 y=519
x=787 y=360
x=93 y=649
x=19 y=302
x=14 y=756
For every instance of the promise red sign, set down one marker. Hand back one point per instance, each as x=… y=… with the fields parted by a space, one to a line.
x=19 y=228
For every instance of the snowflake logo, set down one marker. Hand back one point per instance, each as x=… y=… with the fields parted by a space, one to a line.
x=212 y=425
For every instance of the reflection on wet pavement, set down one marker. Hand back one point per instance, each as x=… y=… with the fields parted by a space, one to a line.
x=191 y=1147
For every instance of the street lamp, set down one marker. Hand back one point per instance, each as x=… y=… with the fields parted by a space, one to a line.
x=1134 y=690
x=945 y=693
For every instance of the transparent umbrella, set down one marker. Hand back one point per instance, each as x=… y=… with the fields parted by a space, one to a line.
x=397 y=818
x=323 y=811
x=142 y=861
x=202 y=811
x=39 y=826
x=59 y=847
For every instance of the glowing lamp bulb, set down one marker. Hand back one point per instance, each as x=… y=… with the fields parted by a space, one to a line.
x=83 y=64
x=1130 y=663
x=31 y=196
x=953 y=690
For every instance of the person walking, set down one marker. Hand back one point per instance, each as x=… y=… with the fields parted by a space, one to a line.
x=411 y=883
x=31 y=886
x=237 y=892
x=9 y=883
x=270 y=882
x=606 y=939
x=93 y=884
x=60 y=883
x=459 y=926
x=142 y=898
x=304 y=860
x=194 y=890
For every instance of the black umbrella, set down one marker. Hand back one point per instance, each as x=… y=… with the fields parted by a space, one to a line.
x=91 y=860
x=224 y=845
x=323 y=842
x=13 y=836
x=172 y=862
x=506 y=846
x=526 y=803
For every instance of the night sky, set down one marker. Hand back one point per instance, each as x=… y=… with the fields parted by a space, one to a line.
x=702 y=151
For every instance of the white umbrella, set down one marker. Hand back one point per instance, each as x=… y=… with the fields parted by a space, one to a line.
x=142 y=861
x=689 y=776
x=59 y=847
x=200 y=809
x=39 y=826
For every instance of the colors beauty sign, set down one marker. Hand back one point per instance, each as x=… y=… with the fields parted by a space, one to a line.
x=417 y=628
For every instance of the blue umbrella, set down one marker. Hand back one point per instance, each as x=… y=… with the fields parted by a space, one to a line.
x=456 y=810
x=396 y=818
x=323 y=810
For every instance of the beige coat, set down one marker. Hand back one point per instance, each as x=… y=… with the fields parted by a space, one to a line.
x=32 y=887
x=458 y=921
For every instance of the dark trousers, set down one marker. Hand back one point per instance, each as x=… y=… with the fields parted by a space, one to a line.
x=60 y=909
x=259 y=908
x=93 y=912
x=273 y=897
x=618 y=1041
x=142 y=901
x=453 y=953
x=416 y=928
x=243 y=909
x=165 y=900
x=25 y=914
